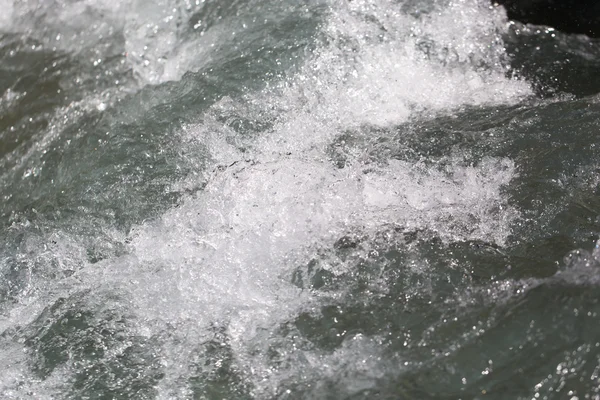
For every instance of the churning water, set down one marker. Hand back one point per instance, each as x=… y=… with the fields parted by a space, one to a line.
x=328 y=199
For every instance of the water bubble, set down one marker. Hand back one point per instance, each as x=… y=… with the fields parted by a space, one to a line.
x=578 y=258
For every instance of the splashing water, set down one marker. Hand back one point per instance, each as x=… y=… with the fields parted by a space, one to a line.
x=255 y=200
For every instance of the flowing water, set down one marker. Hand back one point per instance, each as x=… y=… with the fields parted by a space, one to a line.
x=328 y=199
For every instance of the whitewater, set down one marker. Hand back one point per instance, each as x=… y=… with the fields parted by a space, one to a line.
x=327 y=199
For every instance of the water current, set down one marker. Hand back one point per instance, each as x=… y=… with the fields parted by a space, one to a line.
x=326 y=199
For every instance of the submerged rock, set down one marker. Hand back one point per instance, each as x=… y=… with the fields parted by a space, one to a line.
x=576 y=16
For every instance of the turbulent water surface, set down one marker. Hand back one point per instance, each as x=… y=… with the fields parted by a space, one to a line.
x=326 y=199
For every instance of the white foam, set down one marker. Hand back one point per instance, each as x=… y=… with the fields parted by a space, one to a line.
x=234 y=247
x=274 y=199
x=227 y=255
x=380 y=65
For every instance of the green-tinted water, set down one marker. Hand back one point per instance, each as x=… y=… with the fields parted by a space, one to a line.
x=330 y=200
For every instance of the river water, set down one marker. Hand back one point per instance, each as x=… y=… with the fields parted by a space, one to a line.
x=328 y=199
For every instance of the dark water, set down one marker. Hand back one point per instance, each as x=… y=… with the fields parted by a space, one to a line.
x=367 y=199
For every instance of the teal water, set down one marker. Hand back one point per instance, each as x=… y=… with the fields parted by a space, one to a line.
x=367 y=199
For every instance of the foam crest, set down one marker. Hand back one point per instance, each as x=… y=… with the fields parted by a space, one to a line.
x=380 y=64
x=274 y=199
x=255 y=222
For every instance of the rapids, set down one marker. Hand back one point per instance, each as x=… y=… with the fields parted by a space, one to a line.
x=327 y=199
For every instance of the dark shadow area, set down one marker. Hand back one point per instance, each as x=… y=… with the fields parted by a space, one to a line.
x=572 y=16
x=554 y=62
